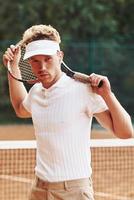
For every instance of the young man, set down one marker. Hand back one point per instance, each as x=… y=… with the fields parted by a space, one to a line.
x=62 y=110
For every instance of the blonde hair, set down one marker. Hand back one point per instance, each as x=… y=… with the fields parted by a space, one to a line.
x=39 y=32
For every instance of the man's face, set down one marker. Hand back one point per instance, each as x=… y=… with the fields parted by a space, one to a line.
x=47 y=68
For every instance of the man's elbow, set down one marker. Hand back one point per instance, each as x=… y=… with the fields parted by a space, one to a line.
x=20 y=111
x=19 y=115
x=125 y=134
x=130 y=134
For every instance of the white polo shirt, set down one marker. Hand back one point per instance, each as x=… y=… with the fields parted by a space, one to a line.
x=62 y=117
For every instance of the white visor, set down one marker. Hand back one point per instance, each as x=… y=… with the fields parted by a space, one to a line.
x=41 y=47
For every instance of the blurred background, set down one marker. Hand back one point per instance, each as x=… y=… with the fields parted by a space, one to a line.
x=97 y=36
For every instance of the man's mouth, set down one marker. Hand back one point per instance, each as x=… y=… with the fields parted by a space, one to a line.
x=42 y=73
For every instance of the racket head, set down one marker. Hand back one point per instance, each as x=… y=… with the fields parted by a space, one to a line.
x=26 y=75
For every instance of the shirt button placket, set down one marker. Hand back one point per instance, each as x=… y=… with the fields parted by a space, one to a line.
x=45 y=95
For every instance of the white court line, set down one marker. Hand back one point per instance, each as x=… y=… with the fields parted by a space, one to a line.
x=15 y=144
x=16 y=178
x=31 y=144
x=117 y=197
x=111 y=142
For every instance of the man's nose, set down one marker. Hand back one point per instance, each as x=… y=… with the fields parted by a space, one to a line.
x=43 y=66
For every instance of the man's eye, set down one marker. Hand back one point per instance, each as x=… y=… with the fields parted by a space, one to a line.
x=35 y=61
x=48 y=59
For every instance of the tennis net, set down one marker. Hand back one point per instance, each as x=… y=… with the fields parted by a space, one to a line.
x=112 y=164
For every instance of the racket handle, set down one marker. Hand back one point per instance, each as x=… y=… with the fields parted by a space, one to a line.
x=84 y=78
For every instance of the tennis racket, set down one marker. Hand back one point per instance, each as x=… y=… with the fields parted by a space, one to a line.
x=27 y=76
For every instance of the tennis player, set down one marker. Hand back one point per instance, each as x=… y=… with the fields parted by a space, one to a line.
x=62 y=110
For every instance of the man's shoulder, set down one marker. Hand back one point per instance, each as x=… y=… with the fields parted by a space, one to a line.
x=80 y=86
x=35 y=87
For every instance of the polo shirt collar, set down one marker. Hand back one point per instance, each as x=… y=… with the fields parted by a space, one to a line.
x=60 y=83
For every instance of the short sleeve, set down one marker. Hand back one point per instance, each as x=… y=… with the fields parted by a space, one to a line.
x=28 y=99
x=96 y=104
x=27 y=102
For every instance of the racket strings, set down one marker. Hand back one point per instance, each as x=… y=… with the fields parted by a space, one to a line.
x=25 y=68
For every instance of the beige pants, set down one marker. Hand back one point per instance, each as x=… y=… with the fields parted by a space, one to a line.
x=80 y=189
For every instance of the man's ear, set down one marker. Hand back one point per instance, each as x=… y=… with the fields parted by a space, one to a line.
x=61 y=55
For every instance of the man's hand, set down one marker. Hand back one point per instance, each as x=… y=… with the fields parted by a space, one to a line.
x=95 y=79
x=12 y=55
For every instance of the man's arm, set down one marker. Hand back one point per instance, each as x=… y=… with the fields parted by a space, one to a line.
x=17 y=94
x=115 y=118
x=16 y=89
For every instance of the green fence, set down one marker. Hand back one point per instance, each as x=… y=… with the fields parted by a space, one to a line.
x=110 y=57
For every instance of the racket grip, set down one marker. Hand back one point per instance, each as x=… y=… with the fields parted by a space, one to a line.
x=84 y=78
